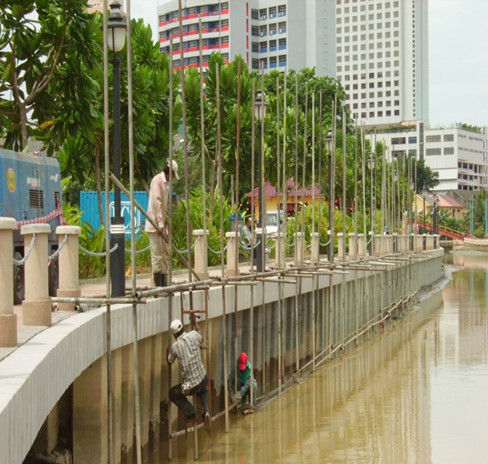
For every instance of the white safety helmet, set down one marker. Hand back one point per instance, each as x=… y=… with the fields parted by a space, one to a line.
x=176 y=326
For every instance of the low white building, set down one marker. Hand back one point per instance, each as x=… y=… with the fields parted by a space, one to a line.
x=458 y=153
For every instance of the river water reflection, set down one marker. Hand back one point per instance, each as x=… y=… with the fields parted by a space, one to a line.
x=417 y=394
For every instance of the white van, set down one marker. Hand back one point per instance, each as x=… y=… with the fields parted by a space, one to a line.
x=272 y=221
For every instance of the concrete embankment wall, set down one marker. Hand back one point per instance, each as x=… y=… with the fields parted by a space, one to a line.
x=55 y=396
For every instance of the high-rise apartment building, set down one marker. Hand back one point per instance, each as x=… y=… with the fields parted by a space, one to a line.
x=376 y=48
x=268 y=34
x=382 y=59
x=95 y=5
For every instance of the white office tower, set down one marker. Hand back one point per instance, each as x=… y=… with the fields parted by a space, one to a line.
x=382 y=59
x=458 y=153
x=268 y=34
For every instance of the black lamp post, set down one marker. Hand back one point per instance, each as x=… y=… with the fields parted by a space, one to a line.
x=260 y=106
x=329 y=143
x=116 y=39
x=371 y=166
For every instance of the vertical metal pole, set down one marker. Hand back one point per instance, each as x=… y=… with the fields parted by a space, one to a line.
x=260 y=250
x=486 y=216
x=222 y=263
x=107 y=237
x=133 y=255
x=371 y=218
x=344 y=170
x=330 y=250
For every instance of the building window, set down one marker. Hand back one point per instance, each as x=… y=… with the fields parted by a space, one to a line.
x=254 y=14
x=449 y=150
x=412 y=139
x=448 y=137
x=433 y=138
x=282 y=10
x=398 y=141
x=433 y=151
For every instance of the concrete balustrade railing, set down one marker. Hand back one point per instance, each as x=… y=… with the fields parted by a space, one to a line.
x=232 y=253
x=379 y=243
x=36 y=308
x=8 y=319
x=280 y=259
x=353 y=245
x=299 y=249
x=361 y=246
x=341 y=246
x=201 y=253
x=370 y=244
x=315 y=237
x=69 y=282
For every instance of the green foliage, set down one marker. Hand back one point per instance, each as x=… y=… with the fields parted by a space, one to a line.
x=479 y=205
x=444 y=218
x=40 y=58
x=196 y=222
x=426 y=178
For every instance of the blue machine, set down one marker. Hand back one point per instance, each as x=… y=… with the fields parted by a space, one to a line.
x=30 y=189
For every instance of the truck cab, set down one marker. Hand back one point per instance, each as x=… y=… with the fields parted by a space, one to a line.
x=30 y=191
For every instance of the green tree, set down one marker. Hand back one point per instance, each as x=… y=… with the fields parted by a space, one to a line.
x=426 y=178
x=55 y=50
x=479 y=203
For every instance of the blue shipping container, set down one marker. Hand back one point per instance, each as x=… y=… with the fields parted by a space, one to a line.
x=89 y=209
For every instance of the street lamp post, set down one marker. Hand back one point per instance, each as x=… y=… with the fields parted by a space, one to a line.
x=329 y=142
x=434 y=215
x=116 y=38
x=413 y=218
x=260 y=106
x=424 y=193
x=371 y=166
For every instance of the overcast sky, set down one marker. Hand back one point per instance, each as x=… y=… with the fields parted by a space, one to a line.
x=458 y=58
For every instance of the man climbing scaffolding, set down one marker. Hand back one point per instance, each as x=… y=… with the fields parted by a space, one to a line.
x=186 y=349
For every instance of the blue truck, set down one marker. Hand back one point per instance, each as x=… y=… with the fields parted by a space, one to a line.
x=30 y=192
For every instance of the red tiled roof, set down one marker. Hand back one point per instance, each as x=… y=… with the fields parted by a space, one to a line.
x=270 y=190
x=445 y=201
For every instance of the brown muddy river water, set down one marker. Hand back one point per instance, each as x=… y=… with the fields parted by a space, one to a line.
x=416 y=394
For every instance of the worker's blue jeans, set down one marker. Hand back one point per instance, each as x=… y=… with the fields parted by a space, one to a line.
x=177 y=397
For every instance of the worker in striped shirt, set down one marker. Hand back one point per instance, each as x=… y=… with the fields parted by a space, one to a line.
x=186 y=349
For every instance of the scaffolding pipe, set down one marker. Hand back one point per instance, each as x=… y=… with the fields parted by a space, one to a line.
x=107 y=229
x=133 y=254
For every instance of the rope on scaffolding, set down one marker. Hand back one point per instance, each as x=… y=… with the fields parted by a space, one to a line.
x=56 y=253
x=97 y=255
x=22 y=261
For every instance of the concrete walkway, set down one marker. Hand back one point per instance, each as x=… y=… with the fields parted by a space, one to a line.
x=96 y=288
